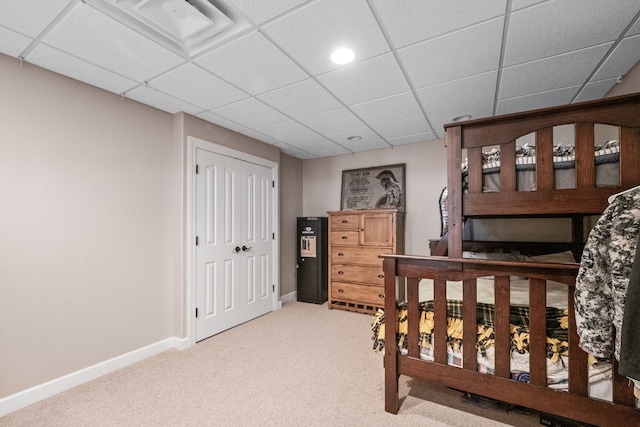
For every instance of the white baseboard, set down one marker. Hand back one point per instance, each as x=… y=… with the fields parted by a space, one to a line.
x=35 y=394
x=289 y=297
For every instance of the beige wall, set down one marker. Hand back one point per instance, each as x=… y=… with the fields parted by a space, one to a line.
x=92 y=226
x=290 y=209
x=426 y=176
x=630 y=83
x=88 y=226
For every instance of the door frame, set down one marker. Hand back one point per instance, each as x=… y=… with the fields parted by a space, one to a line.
x=193 y=144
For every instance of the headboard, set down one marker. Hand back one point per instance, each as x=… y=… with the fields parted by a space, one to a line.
x=585 y=198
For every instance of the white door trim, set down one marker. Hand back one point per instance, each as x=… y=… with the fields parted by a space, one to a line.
x=193 y=144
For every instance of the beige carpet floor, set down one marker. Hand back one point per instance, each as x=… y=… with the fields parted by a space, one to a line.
x=303 y=365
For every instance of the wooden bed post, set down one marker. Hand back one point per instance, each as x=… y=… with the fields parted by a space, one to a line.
x=452 y=140
x=390 y=341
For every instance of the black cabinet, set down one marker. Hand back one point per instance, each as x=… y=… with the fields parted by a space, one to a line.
x=312 y=266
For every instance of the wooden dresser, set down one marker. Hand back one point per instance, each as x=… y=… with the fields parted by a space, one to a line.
x=356 y=238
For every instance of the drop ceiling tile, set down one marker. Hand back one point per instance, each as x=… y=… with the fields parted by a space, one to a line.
x=388 y=109
x=161 y=101
x=317 y=145
x=262 y=137
x=199 y=87
x=539 y=100
x=472 y=90
x=556 y=27
x=519 y=4
x=301 y=99
x=550 y=73
x=370 y=140
x=332 y=121
x=308 y=143
x=30 y=17
x=333 y=150
x=257 y=66
x=595 y=90
x=260 y=11
x=303 y=155
x=287 y=131
x=313 y=32
x=67 y=65
x=92 y=36
x=410 y=21
x=221 y=121
x=621 y=60
x=365 y=81
x=251 y=113
x=413 y=139
x=440 y=118
x=403 y=128
x=12 y=43
x=290 y=150
x=463 y=53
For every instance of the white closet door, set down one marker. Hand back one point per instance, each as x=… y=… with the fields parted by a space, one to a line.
x=234 y=281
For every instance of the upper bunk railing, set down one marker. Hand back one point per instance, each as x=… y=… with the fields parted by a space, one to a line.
x=585 y=198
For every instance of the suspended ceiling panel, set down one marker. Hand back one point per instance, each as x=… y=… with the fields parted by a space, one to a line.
x=264 y=69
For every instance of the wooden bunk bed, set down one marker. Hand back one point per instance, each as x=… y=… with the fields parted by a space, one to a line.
x=406 y=277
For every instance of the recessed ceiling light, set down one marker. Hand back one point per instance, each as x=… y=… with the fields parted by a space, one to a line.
x=354 y=138
x=343 y=55
x=461 y=118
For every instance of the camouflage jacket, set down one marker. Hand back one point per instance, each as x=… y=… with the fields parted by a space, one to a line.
x=601 y=285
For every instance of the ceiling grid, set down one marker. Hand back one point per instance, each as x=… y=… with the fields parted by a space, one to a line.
x=418 y=63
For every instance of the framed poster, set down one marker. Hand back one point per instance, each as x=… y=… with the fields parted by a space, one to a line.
x=380 y=187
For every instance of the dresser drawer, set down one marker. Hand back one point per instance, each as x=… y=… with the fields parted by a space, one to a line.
x=357 y=255
x=365 y=274
x=345 y=222
x=368 y=295
x=344 y=237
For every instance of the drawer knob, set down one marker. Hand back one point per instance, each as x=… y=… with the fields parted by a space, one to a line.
x=381 y=276
x=344 y=237
x=340 y=272
x=345 y=221
x=340 y=290
x=340 y=254
x=381 y=295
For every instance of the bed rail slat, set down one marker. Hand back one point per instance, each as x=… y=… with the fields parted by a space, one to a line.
x=622 y=392
x=440 y=321
x=578 y=359
x=413 y=317
x=544 y=159
x=508 y=167
x=538 y=331
x=502 y=334
x=629 y=156
x=474 y=156
x=585 y=164
x=470 y=325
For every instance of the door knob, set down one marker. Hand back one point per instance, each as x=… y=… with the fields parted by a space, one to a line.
x=245 y=248
x=236 y=249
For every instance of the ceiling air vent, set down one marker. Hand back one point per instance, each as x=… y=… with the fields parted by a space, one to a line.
x=187 y=26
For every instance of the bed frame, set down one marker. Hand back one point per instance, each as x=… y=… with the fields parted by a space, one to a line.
x=546 y=201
